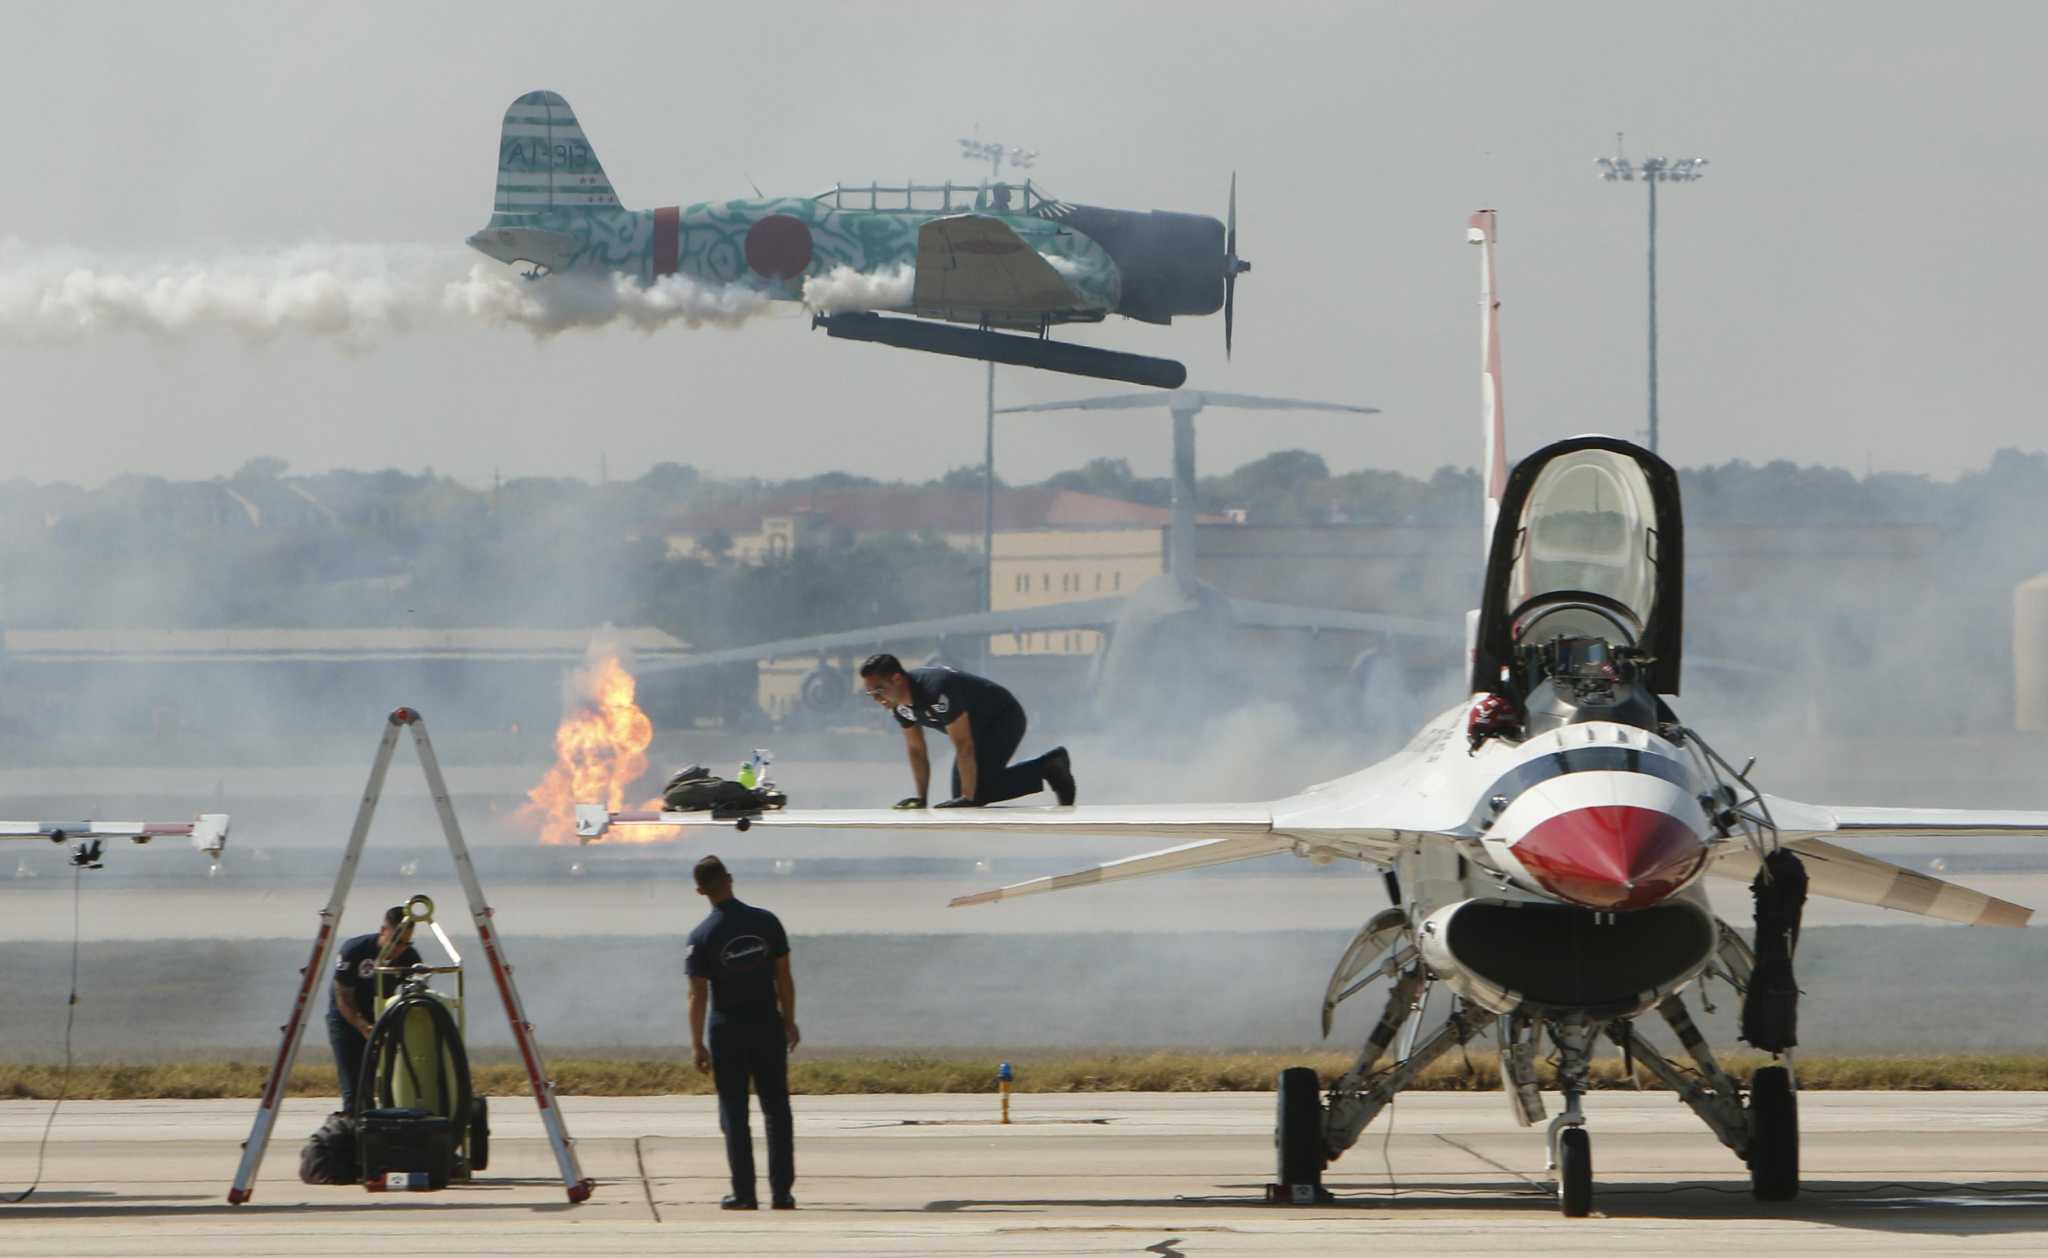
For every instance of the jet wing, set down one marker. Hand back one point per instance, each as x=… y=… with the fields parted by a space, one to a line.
x=1178 y=821
x=1081 y=614
x=1200 y=854
x=1840 y=874
x=1793 y=817
x=975 y=264
x=1211 y=834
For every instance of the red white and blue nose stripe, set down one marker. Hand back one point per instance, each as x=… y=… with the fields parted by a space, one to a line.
x=1607 y=840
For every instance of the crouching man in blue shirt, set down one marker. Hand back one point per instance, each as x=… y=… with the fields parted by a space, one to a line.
x=738 y=964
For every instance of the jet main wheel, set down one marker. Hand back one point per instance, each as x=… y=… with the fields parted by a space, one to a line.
x=1298 y=1131
x=479 y=1134
x=1575 y=1172
x=1773 y=1135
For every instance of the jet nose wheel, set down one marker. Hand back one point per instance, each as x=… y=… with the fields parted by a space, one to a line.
x=1575 y=1172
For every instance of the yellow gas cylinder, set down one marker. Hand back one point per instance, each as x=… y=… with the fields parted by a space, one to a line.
x=417 y=1081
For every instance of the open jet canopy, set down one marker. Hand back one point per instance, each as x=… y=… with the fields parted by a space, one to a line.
x=1588 y=548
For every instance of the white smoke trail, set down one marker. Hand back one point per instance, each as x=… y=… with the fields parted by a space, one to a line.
x=351 y=293
x=562 y=302
x=843 y=288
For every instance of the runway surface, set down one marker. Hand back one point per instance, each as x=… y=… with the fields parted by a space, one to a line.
x=1090 y=1174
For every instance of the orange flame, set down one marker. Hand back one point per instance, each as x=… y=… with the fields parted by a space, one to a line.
x=600 y=750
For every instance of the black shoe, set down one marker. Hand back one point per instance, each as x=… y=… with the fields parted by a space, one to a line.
x=1058 y=771
x=783 y=1201
x=731 y=1202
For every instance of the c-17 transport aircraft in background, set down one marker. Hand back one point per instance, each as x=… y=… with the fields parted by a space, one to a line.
x=996 y=256
x=1545 y=842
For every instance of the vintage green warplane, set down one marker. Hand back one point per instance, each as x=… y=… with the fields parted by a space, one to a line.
x=994 y=256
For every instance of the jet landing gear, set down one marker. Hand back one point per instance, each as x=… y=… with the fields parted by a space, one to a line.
x=1571 y=1148
x=1773 y=1135
x=1764 y=1133
x=1358 y=1097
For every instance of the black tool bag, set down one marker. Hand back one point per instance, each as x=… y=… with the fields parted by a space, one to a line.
x=330 y=1155
x=696 y=790
x=408 y=1140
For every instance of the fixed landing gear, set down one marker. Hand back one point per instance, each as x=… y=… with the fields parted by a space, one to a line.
x=1773 y=1135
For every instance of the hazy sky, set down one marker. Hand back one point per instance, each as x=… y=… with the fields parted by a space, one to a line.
x=1856 y=280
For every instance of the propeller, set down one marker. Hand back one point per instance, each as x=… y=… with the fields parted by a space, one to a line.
x=1233 y=266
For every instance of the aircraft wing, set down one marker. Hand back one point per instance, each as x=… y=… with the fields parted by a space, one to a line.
x=1200 y=854
x=1793 y=817
x=1840 y=874
x=971 y=262
x=1081 y=614
x=1177 y=821
x=1211 y=834
x=1288 y=616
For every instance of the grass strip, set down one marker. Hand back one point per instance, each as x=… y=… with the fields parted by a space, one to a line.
x=1049 y=1071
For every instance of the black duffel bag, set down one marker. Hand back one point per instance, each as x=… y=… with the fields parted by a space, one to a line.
x=696 y=790
x=330 y=1155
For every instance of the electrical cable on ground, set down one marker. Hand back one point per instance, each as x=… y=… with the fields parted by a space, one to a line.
x=70 y=1016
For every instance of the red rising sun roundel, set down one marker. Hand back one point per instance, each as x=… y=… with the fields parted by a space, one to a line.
x=779 y=247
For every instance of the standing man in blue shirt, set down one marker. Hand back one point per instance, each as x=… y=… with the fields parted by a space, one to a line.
x=985 y=723
x=352 y=1000
x=738 y=964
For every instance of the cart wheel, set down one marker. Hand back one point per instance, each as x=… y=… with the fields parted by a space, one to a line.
x=1575 y=1172
x=479 y=1135
x=1773 y=1135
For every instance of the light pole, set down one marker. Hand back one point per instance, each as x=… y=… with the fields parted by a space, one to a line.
x=995 y=154
x=1652 y=171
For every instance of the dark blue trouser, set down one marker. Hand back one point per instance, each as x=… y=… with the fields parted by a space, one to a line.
x=753 y=1051
x=996 y=779
x=348 y=1045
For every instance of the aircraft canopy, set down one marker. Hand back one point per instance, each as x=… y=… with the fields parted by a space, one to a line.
x=1588 y=545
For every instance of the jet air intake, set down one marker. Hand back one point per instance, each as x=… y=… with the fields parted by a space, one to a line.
x=1514 y=955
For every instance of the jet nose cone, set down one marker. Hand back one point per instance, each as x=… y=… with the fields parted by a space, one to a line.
x=1611 y=857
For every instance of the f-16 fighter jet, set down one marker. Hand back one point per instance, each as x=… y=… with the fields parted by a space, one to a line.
x=996 y=256
x=1547 y=839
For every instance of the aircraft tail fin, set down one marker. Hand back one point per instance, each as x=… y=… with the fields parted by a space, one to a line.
x=546 y=163
x=1493 y=467
x=1493 y=413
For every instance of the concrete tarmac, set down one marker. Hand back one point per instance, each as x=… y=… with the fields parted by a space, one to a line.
x=1075 y=1174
